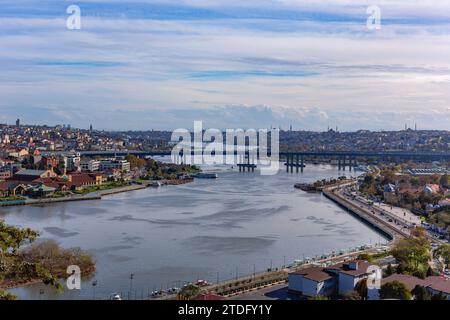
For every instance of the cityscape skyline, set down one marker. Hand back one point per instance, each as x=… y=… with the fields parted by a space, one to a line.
x=164 y=64
x=18 y=123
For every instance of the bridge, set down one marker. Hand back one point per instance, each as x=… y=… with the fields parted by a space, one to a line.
x=293 y=159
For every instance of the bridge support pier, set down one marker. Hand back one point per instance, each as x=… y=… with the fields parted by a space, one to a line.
x=302 y=163
x=292 y=163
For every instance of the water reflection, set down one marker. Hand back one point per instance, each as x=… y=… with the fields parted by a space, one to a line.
x=209 y=229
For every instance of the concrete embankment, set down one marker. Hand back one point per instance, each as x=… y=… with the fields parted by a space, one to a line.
x=378 y=223
x=96 y=195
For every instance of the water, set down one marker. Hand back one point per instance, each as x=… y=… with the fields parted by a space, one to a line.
x=208 y=229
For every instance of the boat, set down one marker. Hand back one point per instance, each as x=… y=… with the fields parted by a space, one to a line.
x=155 y=184
x=115 y=296
x=306 y=187
x=203 y=175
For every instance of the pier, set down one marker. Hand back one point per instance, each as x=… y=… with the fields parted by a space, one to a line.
x=247 y=163
x=298 y=163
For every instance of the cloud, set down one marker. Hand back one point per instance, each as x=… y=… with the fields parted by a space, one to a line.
x=179 y=59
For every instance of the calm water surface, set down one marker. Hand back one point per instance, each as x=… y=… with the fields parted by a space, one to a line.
x=207 y=229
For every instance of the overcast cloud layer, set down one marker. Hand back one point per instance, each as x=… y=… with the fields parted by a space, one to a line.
x=162 y=64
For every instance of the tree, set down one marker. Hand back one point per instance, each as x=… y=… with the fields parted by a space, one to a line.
x=444 y=180
x=443 y=251
x=430 y=272
x=414 y=181
x=11 y=238
x=439 y=296
x=420 y=293
x=365 y=256
x=395 y=290
x=413 y=253
x=4 y=295
x=352 y=295
x=189 y=292
x=361 y=288
x=389 y=270
x=318 y=297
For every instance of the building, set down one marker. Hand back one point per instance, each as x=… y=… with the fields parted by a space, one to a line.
x=41 y=191
x=340 y=278
x=428 y=172
x=50 y=161
x=79 y=181
x=18 y=123
x=12 y=188
x=349 y=274
x=122 y=165
x=434 y=285
x=312 y=281
x=389 y=194
x=27 y=175
x=72 y=162
x=89 y=165
x=4 y=175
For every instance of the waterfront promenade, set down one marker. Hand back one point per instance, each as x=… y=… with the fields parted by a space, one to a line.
x=95 y=195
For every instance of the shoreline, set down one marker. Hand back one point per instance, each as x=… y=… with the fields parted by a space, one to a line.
x=95 y=195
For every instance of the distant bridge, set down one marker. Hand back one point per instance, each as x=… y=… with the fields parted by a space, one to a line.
x=293 y=159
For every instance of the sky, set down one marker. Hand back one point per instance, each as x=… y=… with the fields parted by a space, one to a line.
x=139 y=65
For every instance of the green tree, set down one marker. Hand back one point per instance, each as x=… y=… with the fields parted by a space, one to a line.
x=444 y=180
x=4 y=295
x=395 y=290
x=318 y=297
x=365 y=256
x=443 y=252
x=439 y=296
x=413 y=253
x=389 y=270
x=11 y=238
x=420 y=293
x=352 y=295
x=189 y=292
x=430 y=272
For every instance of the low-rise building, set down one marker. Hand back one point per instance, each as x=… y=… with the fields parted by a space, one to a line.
x=27 y=175
x=340 y=278
x=312 y=281
x=89 y=165
x=122 y=165
x=435 y=285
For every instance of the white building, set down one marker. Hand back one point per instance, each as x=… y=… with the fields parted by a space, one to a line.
x=72 y=162
x=311 y=281
x=108 y=164
x=340 y=279
x=90 y=165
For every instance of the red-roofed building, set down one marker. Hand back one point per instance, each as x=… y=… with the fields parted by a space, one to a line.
x=434 y=285
x=50 y=162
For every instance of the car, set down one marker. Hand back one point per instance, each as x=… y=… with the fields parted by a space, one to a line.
x=115 y=296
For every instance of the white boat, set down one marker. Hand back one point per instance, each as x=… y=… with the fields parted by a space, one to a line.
x=115 y=296
x=155 y=184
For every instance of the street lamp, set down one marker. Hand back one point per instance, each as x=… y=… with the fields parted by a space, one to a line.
x=131 y=281
x=94 y=284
